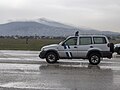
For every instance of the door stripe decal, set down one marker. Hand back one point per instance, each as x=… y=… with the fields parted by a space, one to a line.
x=68 y=53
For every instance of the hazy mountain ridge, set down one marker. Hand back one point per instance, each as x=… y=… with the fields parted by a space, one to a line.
x=44 y=27
x=53 y=23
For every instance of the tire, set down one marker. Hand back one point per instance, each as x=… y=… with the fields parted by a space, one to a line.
x=118 y=52
x=51 y=57
x=94 y=59
x=111 y=47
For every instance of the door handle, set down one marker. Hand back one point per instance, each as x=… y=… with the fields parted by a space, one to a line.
x=91 y=46
x=75 y=47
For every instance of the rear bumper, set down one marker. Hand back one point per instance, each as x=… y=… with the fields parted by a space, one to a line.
x=42 y=54
x=106 y=54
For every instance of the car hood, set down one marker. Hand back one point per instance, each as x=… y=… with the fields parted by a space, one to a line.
x=51 y=46
x=117 y=45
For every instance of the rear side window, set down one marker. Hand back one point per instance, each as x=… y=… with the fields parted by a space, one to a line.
x=85 y=41
x=99 y=40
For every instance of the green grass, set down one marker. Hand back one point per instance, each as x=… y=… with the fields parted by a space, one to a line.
x=20 y=44
x=115 y=41
x=33 y=44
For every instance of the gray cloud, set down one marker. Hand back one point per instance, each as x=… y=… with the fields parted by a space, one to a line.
x=99 y=14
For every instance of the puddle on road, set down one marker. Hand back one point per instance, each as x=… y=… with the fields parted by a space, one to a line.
x=65 y=77
x=40 y=86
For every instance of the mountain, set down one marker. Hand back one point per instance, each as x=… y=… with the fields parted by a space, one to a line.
x=53 y=23
x=45 y=27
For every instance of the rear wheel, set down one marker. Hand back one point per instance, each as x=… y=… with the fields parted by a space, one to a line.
x=51 y=57
x=94 y=59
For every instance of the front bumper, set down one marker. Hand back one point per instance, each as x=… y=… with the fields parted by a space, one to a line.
x=42 y=54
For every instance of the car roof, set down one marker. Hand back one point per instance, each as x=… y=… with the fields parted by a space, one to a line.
x=89 y=36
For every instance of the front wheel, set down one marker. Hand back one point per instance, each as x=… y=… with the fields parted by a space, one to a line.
x=51 y=57
x=94 y=59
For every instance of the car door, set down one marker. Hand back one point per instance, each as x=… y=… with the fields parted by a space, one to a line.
x=85 y=43
x=69 y=48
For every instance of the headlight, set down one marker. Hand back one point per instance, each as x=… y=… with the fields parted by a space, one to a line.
x=42 y=49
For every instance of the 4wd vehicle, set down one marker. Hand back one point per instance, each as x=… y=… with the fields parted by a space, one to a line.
x=91 y=47
x=117 y=48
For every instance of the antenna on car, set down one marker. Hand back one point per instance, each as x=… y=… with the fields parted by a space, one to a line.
x=77 y=33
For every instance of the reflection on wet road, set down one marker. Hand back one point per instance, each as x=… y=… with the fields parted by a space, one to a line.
x=64 y=75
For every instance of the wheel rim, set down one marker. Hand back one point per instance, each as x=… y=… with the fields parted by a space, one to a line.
x=51 y=57
x=94 y=59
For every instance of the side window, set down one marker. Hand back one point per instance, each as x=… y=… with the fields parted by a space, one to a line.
x=99 y=40
x=85 y=41
x=71 y=41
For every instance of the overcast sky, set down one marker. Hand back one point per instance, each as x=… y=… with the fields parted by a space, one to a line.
x=96 y=14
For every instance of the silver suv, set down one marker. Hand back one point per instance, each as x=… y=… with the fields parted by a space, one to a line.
x=91 y=47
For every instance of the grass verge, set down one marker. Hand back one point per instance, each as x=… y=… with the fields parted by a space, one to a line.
x=20 y=44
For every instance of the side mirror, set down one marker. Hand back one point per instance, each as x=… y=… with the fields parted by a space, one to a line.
x=63 y=44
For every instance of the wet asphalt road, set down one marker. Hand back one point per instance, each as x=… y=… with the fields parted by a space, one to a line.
x=23 y=70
